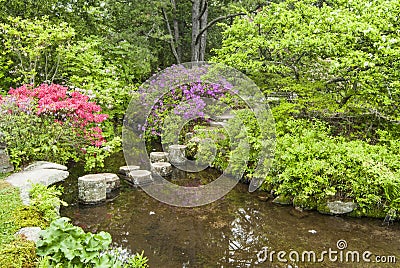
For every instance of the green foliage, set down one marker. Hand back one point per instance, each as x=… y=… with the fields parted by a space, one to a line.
x=10 y=196
x=66 y=245
x=33 y=49
x=341 y=57
x=95 y=156
x=310 y=165
x=43 y=209
x=30 y=137
x=18 y=254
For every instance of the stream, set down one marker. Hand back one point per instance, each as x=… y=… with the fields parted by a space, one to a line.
x=238 y=230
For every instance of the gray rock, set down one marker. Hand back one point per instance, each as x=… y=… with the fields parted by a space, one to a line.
x=126 y=169
x=177 y=154
x=156 y=157
x=5 y=165
x=140 y=177
x=162 y=168
x=25 y=179
x=45 y=165
x=339 y=207
x=92 y=189
x=30 y=233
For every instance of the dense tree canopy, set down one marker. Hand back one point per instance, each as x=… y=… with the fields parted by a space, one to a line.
x=340 y=56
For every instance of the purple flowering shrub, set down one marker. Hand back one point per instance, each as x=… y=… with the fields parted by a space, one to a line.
x=184 y=98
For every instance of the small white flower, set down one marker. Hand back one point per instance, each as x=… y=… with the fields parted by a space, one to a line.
x=312 y=231
x=152 y=213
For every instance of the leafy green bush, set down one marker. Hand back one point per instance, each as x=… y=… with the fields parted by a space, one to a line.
x=313 y=167
x=66 y=245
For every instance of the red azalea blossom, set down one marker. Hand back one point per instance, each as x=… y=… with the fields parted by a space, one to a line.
x=65 y=105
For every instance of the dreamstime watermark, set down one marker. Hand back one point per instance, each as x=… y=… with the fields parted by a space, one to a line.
x=188 y=78
x=340 y=254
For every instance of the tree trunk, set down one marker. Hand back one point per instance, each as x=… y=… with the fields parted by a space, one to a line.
x=203 y=25
x=195 y=29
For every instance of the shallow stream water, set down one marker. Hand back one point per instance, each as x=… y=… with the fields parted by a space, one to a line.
x=231 y=232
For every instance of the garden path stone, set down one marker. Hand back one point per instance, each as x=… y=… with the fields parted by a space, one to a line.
x=30 y=233
x=25 y=179
x=45 y=165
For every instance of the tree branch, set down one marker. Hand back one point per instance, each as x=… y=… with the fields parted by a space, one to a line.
x=214 y=21
x=171 y=42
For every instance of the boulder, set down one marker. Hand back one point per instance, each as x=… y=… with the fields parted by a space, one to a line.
x=177 y=154
x=140 y=177
x=156 y=157
x=25 y=179
x=44 y=165
x=339 y=207
x=162 y=168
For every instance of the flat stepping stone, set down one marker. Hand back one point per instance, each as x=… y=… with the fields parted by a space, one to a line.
x=25 y=179
x=44 y=165
x=177 y=154
x=140 y=177
x=162 y=168
x=156 y=157
x=112 y=182
x=92 y=189
x=126 y=169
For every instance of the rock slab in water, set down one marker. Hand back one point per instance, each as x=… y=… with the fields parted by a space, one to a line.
x=30 y=233
x=25 y=179
x=156 y=157
x=126 y=169
x=162 y=168
x=177 y=154
x=140 y=177
x=282 y=200
x=339 y=207
x=92 y=189
x=112 y=182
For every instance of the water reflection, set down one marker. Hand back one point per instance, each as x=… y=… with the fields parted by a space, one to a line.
x=227 y=233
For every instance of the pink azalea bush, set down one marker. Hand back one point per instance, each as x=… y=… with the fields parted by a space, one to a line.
x=66 y=106
x=51 y=122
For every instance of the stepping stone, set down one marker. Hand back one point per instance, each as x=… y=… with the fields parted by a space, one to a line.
x=177 y=154
x=44 y=165
x=140 y=177
x=126 y=169
x=92 y=189
x=25 y=179
x=159 y=157
x=162 y=168
x=112 y=182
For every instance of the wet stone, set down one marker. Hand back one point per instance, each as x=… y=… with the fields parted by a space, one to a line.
x=339 y=207
x=126 y=169
x=140 y=177
x=156 y=157
x=177 y=154
x=162 y=168
x=92 y=189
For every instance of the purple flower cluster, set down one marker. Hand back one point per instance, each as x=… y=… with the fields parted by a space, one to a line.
x=183 y=96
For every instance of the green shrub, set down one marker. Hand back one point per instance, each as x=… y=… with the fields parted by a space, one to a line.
x=310 y=165
x=45 y=202
x=66 y=245
x=10 y=196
